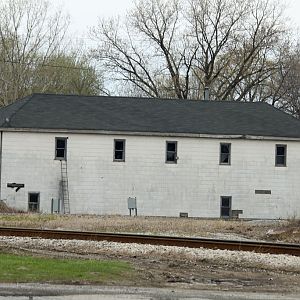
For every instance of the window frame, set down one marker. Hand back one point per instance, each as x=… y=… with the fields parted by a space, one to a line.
x=32 y=203
x=229 y=155
x=175 y=153
x=285 y=155
x=123 y=151
x=65 y=149
x=230 y=207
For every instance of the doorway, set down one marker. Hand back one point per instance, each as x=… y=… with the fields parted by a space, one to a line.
x=225 y=206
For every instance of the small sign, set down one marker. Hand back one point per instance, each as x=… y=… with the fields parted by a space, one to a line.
x=16 y=185
x=131 y=203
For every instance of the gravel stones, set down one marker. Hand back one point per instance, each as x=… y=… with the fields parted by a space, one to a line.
x=104 y=248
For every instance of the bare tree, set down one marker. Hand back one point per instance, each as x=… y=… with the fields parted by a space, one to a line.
x=30 y=33
x=153 y=53
x=177 y=48
x=288 y=84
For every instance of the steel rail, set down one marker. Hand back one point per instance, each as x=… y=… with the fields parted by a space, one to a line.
x=260 y=247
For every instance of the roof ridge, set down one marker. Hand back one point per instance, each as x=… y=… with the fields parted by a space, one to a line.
x=112 y=96
x=150 y=98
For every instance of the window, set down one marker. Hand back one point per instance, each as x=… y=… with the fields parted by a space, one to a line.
x=225 y=153
x=171 y=152
x=34 y=202
x=225 y=207
x=280 y=156
x=61 y=148
x=119 y=150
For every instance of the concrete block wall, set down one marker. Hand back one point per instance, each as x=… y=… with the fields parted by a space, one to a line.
x=194 y=185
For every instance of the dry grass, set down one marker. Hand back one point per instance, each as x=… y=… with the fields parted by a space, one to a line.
x=276 y=230
x=288 y=231
x=107 y=223
x=6 y=209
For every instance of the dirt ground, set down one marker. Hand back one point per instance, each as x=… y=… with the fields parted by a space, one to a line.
x=160 y=271
x=176 y=272
x=269 y=230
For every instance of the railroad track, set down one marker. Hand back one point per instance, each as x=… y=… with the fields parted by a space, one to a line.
x=260 y=247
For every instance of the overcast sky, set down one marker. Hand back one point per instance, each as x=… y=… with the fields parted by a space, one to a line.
x=85 y=13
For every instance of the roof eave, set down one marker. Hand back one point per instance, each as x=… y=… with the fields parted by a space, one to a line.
x=147 y=133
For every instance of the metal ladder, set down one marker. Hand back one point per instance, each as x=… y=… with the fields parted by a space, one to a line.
x=65 y=186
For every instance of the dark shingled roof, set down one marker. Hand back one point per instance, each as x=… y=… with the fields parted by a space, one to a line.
x=45 y=111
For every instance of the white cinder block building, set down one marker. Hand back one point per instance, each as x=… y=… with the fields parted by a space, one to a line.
x=200 y=158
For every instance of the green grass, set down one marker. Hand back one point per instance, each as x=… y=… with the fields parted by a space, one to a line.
x=15 y=268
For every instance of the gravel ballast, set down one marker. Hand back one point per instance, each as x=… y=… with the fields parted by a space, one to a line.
x=104 y=248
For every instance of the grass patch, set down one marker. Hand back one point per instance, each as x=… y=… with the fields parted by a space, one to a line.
x=15 y=268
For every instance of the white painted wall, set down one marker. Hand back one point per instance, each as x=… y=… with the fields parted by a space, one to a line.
x=194 y=185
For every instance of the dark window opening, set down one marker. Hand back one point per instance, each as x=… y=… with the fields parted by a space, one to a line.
x=225 y=153
x=280 y=156
x=34 y=202
x=119 y=150
x=61 y=148
x=225 y=207
x=171 y=152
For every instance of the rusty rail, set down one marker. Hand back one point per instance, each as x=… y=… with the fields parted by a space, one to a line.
x=260 y=247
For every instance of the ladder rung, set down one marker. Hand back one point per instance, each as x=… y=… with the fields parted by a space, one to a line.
x=64 y=185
